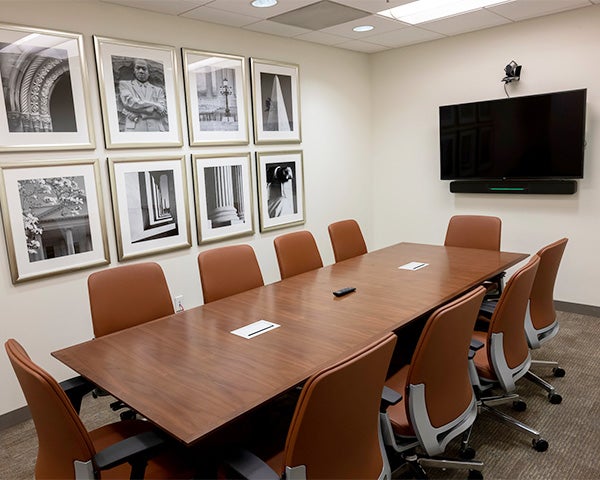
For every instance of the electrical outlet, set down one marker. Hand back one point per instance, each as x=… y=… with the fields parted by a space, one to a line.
x=179 y=303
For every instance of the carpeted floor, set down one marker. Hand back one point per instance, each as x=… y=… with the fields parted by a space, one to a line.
x=571 y=428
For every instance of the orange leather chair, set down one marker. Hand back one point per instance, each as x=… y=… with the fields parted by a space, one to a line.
x=438 y=401
x=477 y=231
x=226 y=271
x=126 y=296
x=67 y=450
x=504 y=355
x=541 y=323
x=347 y=240
x=297 y=252
x=335 y=431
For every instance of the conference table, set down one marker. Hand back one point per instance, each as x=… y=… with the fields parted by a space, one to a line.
x=189 y=375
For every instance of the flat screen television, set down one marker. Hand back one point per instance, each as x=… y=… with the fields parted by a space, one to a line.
x=532 y=137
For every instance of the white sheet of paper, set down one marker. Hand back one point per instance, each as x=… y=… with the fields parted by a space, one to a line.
x=255 y=329
x=413 y=266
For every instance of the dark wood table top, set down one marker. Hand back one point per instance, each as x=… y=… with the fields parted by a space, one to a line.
x=189 y=375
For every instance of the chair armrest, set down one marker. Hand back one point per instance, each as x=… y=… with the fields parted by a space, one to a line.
x=475 y=345
x=487 y=307
x=135 y=450
x=249 y=466
x=76 y=388
x=389 y=397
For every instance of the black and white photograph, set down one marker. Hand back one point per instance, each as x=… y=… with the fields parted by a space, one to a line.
x=138 y=92
x=150 y=205
x=216 y=98
x=276 y=102
x=44 y=84
x=53 y=219
x=223 y=196
x=281 y=189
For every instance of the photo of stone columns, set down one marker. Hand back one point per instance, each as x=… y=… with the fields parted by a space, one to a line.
x=151 y=205
x=224 y=186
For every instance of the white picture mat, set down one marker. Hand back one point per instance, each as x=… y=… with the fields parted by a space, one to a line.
x=29 y=269
x=82 y=138
x=106 y=49
x=207 y=232
x=121 y=168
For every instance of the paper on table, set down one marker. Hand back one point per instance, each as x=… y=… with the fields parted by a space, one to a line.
x=413 y=266
x=255 y=329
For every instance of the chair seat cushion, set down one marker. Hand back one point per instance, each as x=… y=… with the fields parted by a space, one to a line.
x=397 y=413
x=484 y=369
x=172 y=463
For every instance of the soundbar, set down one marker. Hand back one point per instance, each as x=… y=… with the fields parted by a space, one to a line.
x=536 y=187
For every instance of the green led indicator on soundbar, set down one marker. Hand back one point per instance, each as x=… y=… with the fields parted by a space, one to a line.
x=520 y=189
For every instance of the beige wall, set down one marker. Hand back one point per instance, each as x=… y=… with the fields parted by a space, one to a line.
x=557 y=52
x=45 y=315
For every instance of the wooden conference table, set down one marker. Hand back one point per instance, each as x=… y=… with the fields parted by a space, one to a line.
x=189 y=375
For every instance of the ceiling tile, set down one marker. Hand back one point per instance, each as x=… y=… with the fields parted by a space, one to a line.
x=469 y=22
x=374 y=6
x=322 y=38
x=274 y=28
x=381 y=25
x=173 y=7
x=361 y=46
x=522 y=9
x=320 y=15
x=243 y=7
x=212 y=15
x=405 y=36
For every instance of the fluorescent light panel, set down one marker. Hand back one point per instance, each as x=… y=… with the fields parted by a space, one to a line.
x=426 y=10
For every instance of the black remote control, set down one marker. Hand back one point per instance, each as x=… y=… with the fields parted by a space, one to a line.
x=344 y=291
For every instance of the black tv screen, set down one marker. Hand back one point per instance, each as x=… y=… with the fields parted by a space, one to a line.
x=531 y=137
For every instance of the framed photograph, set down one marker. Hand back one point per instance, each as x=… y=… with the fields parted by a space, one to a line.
x=138 y=91
x=44 y=81
x=280 y=189
x=53 y=217
x=276 y=102
x=215 y=91
x=150 y=205
x=223 y=196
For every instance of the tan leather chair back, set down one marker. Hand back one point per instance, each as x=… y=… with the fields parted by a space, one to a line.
x=335 y=428
x=297 y=252
x=226 y=271
x=474 y=231
x=123 y=297
x=346 y=240
x=440 y=360
x=541 y=306
x=61 y=436
x=509 y=315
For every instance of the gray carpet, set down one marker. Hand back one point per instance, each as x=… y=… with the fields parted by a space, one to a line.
x=571 y=428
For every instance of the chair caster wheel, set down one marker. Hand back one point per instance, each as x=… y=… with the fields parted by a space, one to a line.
x=558 y=372
x=554 y=398
x=467 y=453
x=540 y=445
x=475 y=475
x=127 y=415
x=519 y=406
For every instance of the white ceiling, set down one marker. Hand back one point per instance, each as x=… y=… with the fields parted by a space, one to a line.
x=386 y=34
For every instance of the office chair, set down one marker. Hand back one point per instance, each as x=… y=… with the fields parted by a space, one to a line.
x=130 y=448
x=502 y=355
x=225 y=271
x=126 y=296
x=335 y=431
x=541 y=323
x=438 y=401
x=297 y=252
x=123 y=297
x=477 y=231
x=346 y=240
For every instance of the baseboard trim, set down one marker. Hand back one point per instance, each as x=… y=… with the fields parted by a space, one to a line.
x=578 y=308
x=14 y=417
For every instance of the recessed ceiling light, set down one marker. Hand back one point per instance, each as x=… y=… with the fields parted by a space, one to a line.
x=425 y=10
x=264 y=3
x=363 y=28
